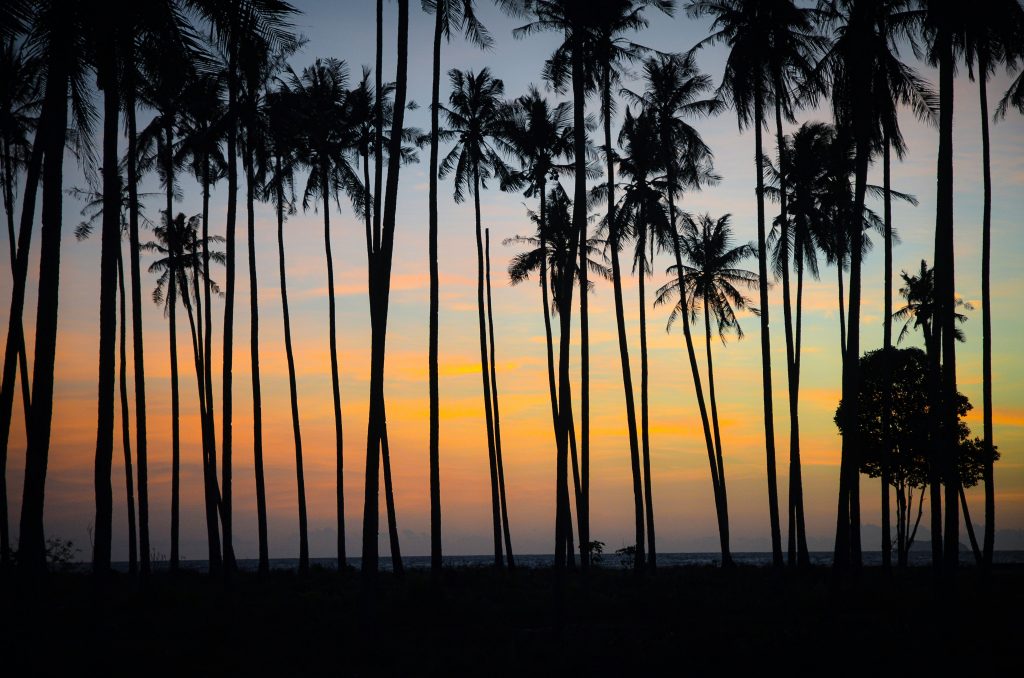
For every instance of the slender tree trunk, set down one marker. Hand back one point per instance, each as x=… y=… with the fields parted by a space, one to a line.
x=110 y=242
x=787 y=321
x=796 y=479
x=887 y=346
x=933 y=350
x=126 y=434
x=978 y=557
x=644 y=408
x=31 y=546
x=138 y=358
x=986 y=318
x=485 y=375
x=842 y=309
x=714 y=407
x=175 y=418
x=389 y=503
x=227 y=396
x=378 y=115
x=494 y=395
x=620 y=324
x=26 y=388
x=432 y=355
x=766 y=358
x=944 y=283
x=335 y=385
x=721 y=511
x=382 y=265
x=585 y=364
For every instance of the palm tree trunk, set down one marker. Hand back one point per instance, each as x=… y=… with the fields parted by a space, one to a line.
x=766 y=358
x=497 y=415
x=721 y=510
x=584 y=362
x=227 y=396
x=887 y=345
x=842 y=309
x=644 y=409
x=714 y=407
x=986 y=317
x=31 y=546
x=335 y=386
x=944 y=285
x=620 y=324
x=110 y=242
x=378 y=114
x=126 y=435
x=138 y=358
x=796 y=479
x=432 y=354
x=978 y=558
x=484 y=371
x=389 y=502
x=175 y=418
x=26 y=394
x=787 y=321
x=383 y=258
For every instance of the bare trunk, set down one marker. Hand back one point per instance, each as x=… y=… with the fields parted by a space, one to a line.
x=887 y=345
x=432 y=355
x=126 y=435
x=494 y=394
x=986 y=320
x=335 y=385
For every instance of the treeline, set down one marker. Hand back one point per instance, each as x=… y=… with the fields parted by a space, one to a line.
x=213 y=80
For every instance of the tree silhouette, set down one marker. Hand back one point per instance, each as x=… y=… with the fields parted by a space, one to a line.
x=475 y=117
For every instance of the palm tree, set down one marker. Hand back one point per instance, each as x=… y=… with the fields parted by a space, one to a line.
x=320 y=99
x=673 y=90
x=638 y=211
x=19 y=104
x=539 y=135
x=475 y=117
x=991 y=36
x=569 y=17
x=58 y=33
x=712 y=282
x=769 y=43
x=448 y=15
x=380 y=288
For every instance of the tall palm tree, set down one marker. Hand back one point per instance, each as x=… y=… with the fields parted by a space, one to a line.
x=238 y=26
x=448 y=15
x=475 y=117
x=19 y=104
x=638 y=210
x=59 y=33
x=380 y=288
x=991 y=36
x=769 y=43
x=712 y=283
x=320 y=99
x=539 y=136
x=570 y=18
x=673 y=92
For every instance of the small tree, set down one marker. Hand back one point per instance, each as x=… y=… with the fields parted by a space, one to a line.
x=912 y=452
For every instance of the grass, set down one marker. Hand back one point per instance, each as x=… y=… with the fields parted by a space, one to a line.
x=482 y=622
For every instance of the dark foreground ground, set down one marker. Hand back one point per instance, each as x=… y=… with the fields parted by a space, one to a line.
x=683 y=620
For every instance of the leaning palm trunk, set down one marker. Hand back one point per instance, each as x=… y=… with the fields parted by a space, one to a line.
x=8 y=188
x=719 y=459
x=432 y=349
x=721 y=508
x=766 y=364
x=15 y=336
x=380 y=298
x=887 y=345
x=126 y=435
x=485 y=374
x=497 y=415
x=986 y=317
x=175 y=418
x=31 y=546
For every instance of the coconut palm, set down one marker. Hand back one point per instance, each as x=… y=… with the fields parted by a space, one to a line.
x=712 y=283
x=770 y=45
x=991 y=37
x=19 y=103
x=539 y=136
x=320 y=100
x=449 y=15
x=59 y=33
x=475 y=117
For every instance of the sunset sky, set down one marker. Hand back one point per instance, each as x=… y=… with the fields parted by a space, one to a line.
x=683 y=504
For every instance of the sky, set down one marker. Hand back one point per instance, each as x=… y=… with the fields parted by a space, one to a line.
x=683 y=503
